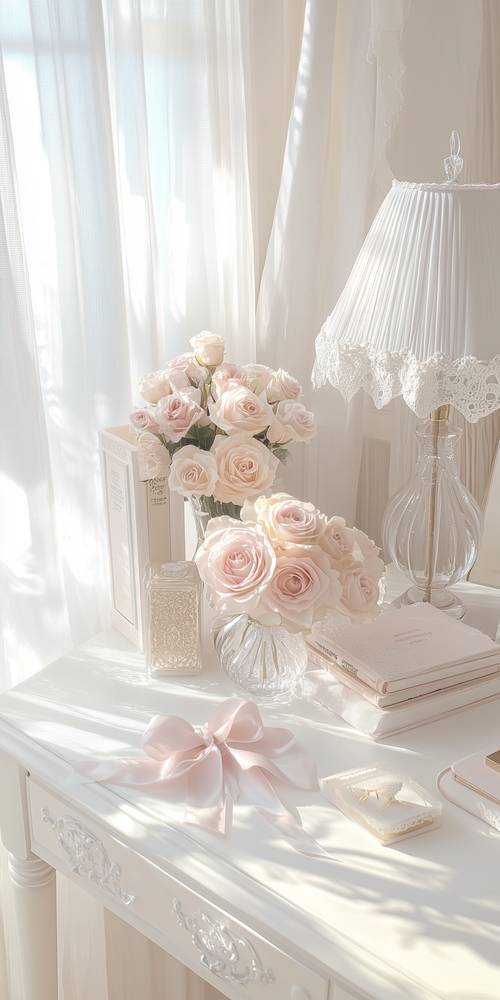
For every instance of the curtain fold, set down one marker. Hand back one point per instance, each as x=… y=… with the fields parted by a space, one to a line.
x=29 y=564
x=304 y=263
x=173 y=165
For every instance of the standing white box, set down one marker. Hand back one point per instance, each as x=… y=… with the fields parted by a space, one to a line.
x=145 y=525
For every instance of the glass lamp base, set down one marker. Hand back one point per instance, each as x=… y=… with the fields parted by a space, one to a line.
x=432 y=527
x=442 y=599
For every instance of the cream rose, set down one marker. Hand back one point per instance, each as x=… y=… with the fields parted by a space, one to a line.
x=366 y=546
x=285 y=519
x=245 y=467
x=360 y=593
x=236 y=561
x=337 y=539
x=282 y=386
x=178 y=412
x=257 y=377
x=154 y=459
x=239 y=410
x=193 y=472
x=143 y=419
x=154 y=386
x=304 y=584
x=363 y=554
x=227 y=376
x=292 y=422
x=184 y=371
x=208 y=349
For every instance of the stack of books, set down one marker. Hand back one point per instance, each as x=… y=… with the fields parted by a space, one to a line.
x=407 y=666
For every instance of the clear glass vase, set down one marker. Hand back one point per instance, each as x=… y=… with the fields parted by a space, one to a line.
x=266 y=660
x=432 y=527
x=205 y=508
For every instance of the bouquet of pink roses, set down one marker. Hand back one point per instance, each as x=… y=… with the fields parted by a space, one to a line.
x=286 y=563
x=218 y=429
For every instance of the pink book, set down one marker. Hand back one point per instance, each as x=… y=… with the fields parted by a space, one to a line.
x=405 y=647
x=406 y=694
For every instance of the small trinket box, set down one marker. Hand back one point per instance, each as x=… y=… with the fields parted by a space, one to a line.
x=173 y=601
x=389 y=806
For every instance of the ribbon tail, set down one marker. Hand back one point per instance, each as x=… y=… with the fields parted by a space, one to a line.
x=282 y=815
x=120 y=771
x=208 y=804
x=217 y=818
x=292 y=831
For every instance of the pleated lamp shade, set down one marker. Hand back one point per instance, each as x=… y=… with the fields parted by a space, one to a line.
x=420 y=313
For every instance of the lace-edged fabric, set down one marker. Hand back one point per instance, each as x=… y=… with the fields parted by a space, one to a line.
x=470 y=385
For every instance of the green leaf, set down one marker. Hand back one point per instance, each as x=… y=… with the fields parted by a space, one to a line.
x=202 y=437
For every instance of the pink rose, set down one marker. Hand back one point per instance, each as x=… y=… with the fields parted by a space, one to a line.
x=143 y=419
x=304 y=584
x=285 y=519
x=193 y=472
x=208 y=349
x=178 y=412
x=245 y=468
x=227 y=376
x=236 y=561
x=154 y=459
x=337 y=539
x=154 y=386
x=360 y=593
x=282 y=386
x=240 y=410
x=257 y=377
x=292 y=422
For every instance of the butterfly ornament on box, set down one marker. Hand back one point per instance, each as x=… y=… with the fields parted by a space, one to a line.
x=386 y=792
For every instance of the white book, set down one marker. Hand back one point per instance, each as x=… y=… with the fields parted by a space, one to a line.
x=145 y=524
x=406 y=646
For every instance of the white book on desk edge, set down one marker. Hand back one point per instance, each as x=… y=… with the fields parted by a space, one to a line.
x=324 y=689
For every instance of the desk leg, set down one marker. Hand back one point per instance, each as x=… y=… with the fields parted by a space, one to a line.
x=34 y=897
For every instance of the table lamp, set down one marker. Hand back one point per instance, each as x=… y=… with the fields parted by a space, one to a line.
x=419 y=317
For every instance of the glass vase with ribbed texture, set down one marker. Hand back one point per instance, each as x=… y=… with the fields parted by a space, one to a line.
x=268 y=661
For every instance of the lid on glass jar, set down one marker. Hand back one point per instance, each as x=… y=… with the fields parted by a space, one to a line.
x=171 y=574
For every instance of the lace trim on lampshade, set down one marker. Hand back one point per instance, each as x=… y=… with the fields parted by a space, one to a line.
x=470 y=385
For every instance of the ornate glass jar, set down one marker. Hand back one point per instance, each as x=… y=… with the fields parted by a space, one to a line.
x=173 y=601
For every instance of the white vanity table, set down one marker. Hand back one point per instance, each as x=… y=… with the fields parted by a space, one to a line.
x=420 y=921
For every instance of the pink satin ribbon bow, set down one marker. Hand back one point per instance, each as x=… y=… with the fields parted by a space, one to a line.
x=233 y=757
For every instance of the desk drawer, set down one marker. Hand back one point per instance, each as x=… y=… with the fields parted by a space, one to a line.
x=217 y=946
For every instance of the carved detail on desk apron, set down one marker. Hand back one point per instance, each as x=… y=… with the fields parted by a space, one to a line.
x=229 y=957
x=87 y=855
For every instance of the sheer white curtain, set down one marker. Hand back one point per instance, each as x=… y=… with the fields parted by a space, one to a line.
x=126 y=195
x=131 y=216
x=169 y=165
